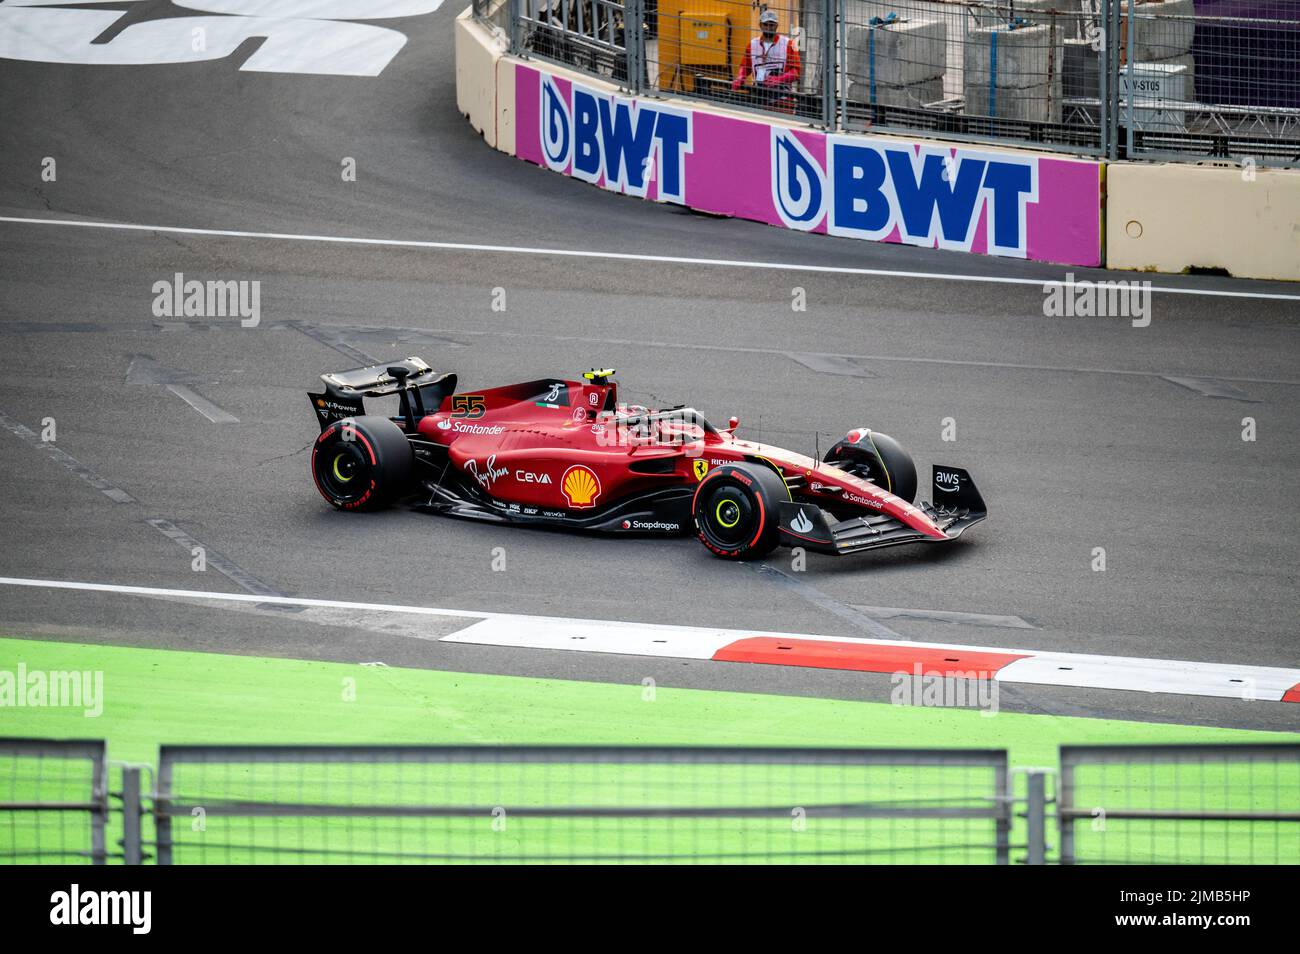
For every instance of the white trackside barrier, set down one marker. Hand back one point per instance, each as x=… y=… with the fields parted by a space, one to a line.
x=1157 y=91
x=1014 y=74
x=898 y=54
x=1160 y=30
x=1033 y=12
x=913 y=96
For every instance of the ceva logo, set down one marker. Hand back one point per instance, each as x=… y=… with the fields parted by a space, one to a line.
x=798 y=183
x=934 y=197
x=622 y=143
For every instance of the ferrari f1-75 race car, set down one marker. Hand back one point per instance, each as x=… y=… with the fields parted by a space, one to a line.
x=568 y=454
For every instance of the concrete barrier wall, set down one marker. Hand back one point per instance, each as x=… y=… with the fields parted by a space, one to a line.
x=477 y=54
x=505 y=73
x=960 y=197
x=981 y=199
x=977 y=199
x=1172 y=217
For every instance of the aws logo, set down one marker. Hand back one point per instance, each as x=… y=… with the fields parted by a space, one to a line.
x=947 y=480
x=614 y=141
x=933 y=197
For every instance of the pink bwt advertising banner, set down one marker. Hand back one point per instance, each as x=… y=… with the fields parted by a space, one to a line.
x=886 y=189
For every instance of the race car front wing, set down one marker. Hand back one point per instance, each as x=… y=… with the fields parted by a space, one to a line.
x=957 y=506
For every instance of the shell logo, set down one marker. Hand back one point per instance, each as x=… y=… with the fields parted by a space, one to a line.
x=581 y=486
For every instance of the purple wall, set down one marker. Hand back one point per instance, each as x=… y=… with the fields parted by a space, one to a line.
x=1248 y=64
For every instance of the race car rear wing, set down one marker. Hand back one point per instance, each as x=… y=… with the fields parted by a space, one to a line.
x=420 y=387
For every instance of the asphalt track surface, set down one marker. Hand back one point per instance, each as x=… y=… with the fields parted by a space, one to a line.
x=1070 y=426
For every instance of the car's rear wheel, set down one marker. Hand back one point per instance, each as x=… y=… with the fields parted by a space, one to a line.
x=877 y=458
x=362 y=463
x=736 y=511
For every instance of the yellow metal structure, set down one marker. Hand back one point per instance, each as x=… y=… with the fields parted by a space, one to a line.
x=707 y=38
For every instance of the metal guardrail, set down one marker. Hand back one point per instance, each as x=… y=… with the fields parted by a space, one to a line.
x=53 y=801
x=508 y=804
x=1190 y=804
x=1184 y=804
x=1177 y=83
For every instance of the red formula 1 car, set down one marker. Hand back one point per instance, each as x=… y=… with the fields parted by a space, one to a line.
x=568 y=454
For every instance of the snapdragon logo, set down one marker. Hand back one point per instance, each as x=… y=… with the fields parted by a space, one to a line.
x=931 y=196
x=53 y=689
x=75 y=906
x=614 y=141
x=798 y=183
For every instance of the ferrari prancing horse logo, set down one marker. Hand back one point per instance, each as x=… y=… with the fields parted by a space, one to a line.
x=701 y=468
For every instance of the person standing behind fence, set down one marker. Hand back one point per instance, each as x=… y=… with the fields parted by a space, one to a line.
x=773 y=61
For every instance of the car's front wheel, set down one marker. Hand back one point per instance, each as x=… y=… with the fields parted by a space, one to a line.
x=362 y=463
x=877 y=458
x=736 y=511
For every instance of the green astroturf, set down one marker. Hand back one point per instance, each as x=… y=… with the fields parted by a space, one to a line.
x=165 y=696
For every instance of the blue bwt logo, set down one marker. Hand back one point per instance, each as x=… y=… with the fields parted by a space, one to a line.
x=597 y=136
x=798 y=183
x=934 y=197
x=557 y=142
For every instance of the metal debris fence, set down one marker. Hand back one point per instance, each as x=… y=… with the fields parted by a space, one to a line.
x=621 y=804
x=53 y=802
x=1167 y=79
x=579 y=804
x=1189 y=804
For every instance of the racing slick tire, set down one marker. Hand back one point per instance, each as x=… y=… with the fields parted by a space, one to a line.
x=877 y=458
x=362 y=463
x=736 y=511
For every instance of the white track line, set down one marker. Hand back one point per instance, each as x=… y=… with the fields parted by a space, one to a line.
x=201 y=404
x=519 y=631
x=622 y=256
x=236 y=597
